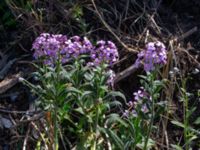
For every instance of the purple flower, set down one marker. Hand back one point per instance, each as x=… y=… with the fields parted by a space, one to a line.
x=111 y=78
x=155 y=54
x=134 y=113
x=144 y=108
x=130 y=103
x=139 y=103
x=140 y=94
x=105 y=51
x=126 y=113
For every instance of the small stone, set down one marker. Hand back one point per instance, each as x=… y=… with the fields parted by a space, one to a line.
x=6 y=123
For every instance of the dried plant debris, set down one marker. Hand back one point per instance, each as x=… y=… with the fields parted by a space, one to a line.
x=8 y=83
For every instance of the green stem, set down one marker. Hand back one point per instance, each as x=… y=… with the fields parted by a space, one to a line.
x=152 y=78
x=95 y=128
x=55 y=103
x=55 y=130
x=150 y=126
x=186 y=117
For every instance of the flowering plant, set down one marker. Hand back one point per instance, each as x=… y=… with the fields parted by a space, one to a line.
x=75 y=87
x=145 y=107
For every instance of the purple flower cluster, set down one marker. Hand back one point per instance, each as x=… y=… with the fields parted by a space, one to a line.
x=52 y=47
x=155 y=54
x=104 y=52
x=138 y=104
x=47 y=45
x=75 y=46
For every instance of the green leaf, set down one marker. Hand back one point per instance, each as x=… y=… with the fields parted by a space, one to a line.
x=190 y=112
x=157 y=83
x=86 y=94
x=179 y=124
x=192 y=138
x=176 y=147
x=65 y=75
x=112 y=118
x=88 y=76
x=132 y=127
x=150 y=144
x=80 y=110
x=115 y=103
x=118 y=142
x=142 y=77
x=104 y=88
x=115 y=94
x=197 y=121
x=73 y=90
x=48 y=75
x=128 y=144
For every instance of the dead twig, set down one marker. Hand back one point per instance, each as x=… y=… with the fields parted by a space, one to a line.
x=41 y=135
x=3 y=110
x=125 y=73
x=9 y=64
x=26 y=138
x=9 y=95
x=3 y=59
x=6 y=68
x=150 y=21
x=36 y=117
x=110 y=30
x=187 y=34
x=6 y=84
